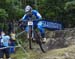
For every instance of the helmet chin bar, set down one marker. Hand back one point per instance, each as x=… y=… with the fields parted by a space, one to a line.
x=28 y=8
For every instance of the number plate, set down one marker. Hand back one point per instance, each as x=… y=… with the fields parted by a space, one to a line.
x=30 y=23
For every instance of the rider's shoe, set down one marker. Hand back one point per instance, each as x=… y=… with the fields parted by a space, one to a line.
x=44 y=40
x=33 y=39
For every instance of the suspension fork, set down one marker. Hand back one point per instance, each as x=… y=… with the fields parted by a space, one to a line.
x=30 y=35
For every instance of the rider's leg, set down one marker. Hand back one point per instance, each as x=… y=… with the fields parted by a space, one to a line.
x=42 y=32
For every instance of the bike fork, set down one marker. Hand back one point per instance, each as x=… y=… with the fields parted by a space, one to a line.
x=30 y=36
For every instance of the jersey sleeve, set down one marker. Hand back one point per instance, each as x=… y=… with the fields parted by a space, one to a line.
x=24 y=18
x=37 y=14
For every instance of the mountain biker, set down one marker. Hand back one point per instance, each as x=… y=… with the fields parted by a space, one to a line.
x=35 y=15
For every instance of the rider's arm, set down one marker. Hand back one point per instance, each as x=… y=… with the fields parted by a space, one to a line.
x=37 y=14
x=23 y=18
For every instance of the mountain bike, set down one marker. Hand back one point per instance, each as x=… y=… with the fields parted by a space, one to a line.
x=34 y=34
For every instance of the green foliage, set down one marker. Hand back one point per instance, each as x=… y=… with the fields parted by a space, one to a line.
x=10 y=7
x=3 y=14
x=19 y=13
x=70 y=5
x=9 y=10
x=56 y=10
x=70 y=10
x=1 y=25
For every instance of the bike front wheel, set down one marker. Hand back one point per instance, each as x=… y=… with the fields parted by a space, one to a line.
x=39 y=42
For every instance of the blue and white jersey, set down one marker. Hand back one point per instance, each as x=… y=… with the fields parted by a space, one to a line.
x=35 y=13
x=5 y=40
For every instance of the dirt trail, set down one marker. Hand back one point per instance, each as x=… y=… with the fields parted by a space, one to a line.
x=62 y=53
